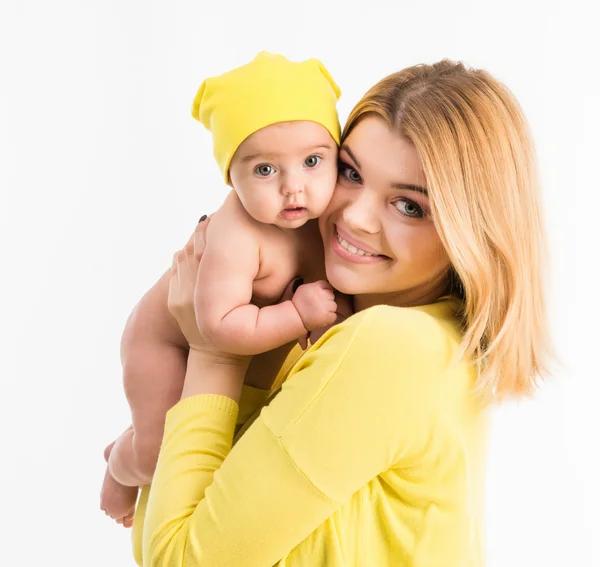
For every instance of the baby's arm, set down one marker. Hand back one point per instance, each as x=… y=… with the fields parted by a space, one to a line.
x=153 y=354
x=225 y=316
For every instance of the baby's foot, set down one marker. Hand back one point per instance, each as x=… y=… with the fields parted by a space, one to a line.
x=118 y=501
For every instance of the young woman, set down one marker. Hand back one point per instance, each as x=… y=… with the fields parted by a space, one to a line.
x=373 y=450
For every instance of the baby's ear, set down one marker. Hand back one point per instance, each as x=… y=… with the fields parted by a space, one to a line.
x=197 y=105
x=327 y=75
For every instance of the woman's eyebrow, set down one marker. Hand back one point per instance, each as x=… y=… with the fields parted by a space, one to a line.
x=401 y=186
x=352 y=156
x=410 y=187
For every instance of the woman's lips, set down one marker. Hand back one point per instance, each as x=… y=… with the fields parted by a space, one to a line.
x=352 y=253
x=354 y=242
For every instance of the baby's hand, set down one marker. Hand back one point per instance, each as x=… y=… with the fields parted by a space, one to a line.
x=316 y=304
x=344 y=310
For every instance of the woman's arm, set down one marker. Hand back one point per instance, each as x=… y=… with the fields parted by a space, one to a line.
x=359 y=402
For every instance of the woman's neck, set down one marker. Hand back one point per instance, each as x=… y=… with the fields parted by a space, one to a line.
x=422 y=295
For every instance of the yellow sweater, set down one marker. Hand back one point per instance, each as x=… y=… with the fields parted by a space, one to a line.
x=371 y=454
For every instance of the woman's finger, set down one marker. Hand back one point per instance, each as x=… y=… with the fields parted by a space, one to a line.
x=192 y=271
x=174 y=263
x=180 y=267
x=200 y=238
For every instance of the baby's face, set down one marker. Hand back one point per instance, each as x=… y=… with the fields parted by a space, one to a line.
x=285 y=173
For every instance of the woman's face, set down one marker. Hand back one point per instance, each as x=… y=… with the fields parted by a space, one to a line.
x=378 y=234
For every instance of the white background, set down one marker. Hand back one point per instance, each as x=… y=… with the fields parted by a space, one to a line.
x=103 y=174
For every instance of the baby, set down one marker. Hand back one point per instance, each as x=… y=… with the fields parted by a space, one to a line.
x=275 y=135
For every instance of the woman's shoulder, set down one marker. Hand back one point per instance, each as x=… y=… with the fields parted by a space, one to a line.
x=435 y=323
x=412 y=351
x=384 y=338
x=424 y=339
x=407 y=353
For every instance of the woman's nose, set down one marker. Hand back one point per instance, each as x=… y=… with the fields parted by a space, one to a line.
x=361 y=214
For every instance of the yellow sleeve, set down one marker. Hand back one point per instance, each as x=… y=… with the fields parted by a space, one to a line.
x=364 y=398
x=251 y=401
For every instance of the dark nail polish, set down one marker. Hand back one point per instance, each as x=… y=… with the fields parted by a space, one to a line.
x=297 y=283
x=202 y=218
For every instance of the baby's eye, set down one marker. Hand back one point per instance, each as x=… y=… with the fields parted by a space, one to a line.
x=264 y=170
x=312 y=161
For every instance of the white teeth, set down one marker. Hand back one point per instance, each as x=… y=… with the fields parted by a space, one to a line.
x=352 y=249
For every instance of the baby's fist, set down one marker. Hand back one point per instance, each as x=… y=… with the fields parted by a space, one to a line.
x=315 y=303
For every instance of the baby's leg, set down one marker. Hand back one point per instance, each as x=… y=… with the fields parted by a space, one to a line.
x=153 y=354
x=153 y=378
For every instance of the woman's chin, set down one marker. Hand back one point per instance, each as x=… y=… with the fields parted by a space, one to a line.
x=344 y=281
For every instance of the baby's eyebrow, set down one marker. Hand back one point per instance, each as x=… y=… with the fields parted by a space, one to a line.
x=252 y=157
x=319 y=147
x=272 y=155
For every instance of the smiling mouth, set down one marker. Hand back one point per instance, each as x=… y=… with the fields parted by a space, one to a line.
x=353 y=249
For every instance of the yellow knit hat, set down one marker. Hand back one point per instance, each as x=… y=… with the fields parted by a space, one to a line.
x=268 y=90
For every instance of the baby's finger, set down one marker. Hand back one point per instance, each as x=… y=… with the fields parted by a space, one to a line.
x=329 y=294
x=331 y=319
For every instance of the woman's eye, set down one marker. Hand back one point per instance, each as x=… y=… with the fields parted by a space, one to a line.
x=312 y=161
x=409 y=208
x=264 y=170
x=349 y=173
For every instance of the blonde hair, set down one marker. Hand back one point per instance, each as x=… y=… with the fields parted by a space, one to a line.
x=478 y=158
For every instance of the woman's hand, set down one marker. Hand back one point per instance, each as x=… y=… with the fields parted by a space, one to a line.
x=184 y=273
x=209 y=370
